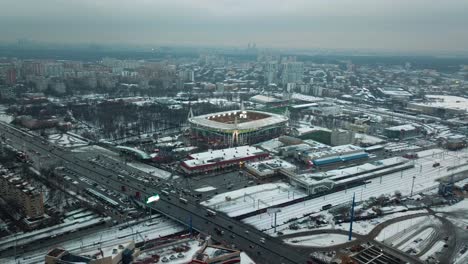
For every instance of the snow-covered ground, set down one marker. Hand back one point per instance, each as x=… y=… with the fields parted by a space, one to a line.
x=458 y=213
x=418 y=241
x=359 y=227
x=150 y=169
x=394 y=231
x=322 y=240
x=67 y=140
x=438 y=247
x=253 y=198
x=205 y=189
x=245 y=259
x=425 y=176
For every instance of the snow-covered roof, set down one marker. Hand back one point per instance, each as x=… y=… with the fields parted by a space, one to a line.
x=306 y=98
x=264 y=99
x=270 y=119
x=446 y=101
x=406 y=127
x=319 y=153
x=271 y=164
x=215 y=156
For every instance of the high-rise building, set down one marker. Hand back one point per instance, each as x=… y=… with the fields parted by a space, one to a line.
x=54 y=69
x=187 y=75
x=270 y=70
x=291 y=72
x=11 y=76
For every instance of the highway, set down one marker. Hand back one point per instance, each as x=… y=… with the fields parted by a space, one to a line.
x=244 y=237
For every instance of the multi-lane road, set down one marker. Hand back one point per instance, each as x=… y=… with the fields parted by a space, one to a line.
x=262 y=248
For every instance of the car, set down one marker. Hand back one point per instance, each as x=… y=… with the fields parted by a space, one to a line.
x=165 y=259
x=172 y=257
x=180 y=255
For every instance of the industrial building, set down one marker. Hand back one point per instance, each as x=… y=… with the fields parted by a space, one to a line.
x=402 y=132
x=331 y=155
x=221 y=159
x=236 y=128
x=441 y=105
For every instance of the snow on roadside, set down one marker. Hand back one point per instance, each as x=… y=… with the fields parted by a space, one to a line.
x=205 y=189
x=322 y=240
x=245 y=259
x=150 y=169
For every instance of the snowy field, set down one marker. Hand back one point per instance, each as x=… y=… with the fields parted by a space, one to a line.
x=253 y=198
x=418 y=242
x=96 y=149
x=394 y=231
x=150 y=170
x=359 y=227
x=438 y=247
x=67 y=140
x=108 y=237
x=458 y=213
x=322 y=240
x=424 y=172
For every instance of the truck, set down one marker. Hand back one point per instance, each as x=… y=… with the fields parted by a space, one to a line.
x=210 y=212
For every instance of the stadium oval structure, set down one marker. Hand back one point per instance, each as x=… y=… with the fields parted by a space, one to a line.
x=237 y=127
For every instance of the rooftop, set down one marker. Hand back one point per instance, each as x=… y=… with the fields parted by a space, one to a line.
x=215 y=156
x=446 y=101
x=238 y=120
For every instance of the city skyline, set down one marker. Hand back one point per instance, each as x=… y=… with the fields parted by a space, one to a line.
x=398 y=26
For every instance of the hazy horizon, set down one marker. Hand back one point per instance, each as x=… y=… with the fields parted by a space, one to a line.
x=422 y=26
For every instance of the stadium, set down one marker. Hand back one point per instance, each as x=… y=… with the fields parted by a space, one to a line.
x=236 y=128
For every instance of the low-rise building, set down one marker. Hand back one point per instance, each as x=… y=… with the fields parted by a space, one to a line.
x=344 y=153
x=221 y=159
x=267 y=168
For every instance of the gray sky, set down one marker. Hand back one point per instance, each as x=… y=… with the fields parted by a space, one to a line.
x=395 y=25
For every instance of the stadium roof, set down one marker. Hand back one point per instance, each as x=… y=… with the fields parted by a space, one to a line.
x=270 y=119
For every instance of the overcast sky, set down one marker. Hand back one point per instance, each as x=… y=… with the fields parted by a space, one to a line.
x=393 y=25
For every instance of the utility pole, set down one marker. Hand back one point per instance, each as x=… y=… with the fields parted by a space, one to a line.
x=350 y=236
x=412 y=186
